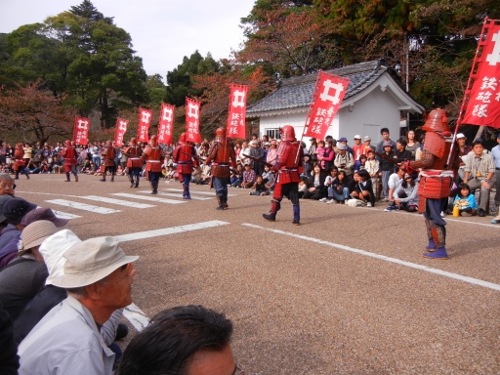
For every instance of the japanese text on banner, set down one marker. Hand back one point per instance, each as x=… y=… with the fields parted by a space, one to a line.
x=166 y=124
x=483 y=108
x=237 y=112
x=145 y=116
x=329 y=93
x=81 y=130
x=121 y=128
x=193 y=120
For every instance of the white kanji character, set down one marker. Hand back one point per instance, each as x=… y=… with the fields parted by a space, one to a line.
x=484 y=96
x=233 y=130
x=480 y=110
x=238 y=99
x=167 y=114
x=321 y=112
x=325 y=95
x=235 y=116
x=193 y=110
x=316 y=129
x=146 y=116
x=122 y=125
x=82 y=124
x=489 y=83
x=494 y=57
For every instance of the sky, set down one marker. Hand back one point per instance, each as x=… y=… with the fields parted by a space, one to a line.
x=162 y=31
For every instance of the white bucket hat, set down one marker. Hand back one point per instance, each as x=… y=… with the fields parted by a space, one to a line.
x=52 y=250
x=90 y=261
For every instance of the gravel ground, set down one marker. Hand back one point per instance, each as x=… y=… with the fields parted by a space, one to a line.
x=303 y=307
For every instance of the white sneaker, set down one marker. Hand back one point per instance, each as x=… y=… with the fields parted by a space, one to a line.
x=323 y=200
x=442 y=214
x=369 y=204
x=331 y=201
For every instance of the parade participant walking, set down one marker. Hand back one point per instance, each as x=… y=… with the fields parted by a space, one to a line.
x=288 y=162
x=185 y=156
x=435 y=181
x=153 y=155
x=222 y=156
x=134 y=162
x=19 y=162
x=70 y=159
x=108 y=153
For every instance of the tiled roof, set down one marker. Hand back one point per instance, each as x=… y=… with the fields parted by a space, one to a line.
x=297 y=92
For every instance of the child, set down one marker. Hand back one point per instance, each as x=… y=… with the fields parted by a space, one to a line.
x=363 y=188
x=268 y=177
x=260 y=187
x=329 y=182
x=465 y=201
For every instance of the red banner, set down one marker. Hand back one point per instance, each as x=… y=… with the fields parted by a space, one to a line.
x=81 y=131
x=193 y=120
x=145 y=116
x=483 y=108
x=166 y=124
x=121 y=128
x=327 y=98
x=237 y=112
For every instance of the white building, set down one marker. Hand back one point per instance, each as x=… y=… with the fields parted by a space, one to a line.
x=374 y=100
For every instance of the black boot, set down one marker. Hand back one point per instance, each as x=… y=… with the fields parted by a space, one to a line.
x=68 y=178
x=112 y=177
x=271 y=216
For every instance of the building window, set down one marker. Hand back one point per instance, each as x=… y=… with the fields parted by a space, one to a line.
x=273 y=133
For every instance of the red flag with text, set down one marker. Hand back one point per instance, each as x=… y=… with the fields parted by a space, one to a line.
x=193 y=120
x=328 y=95
x=145 y=116
x=237 y=112
x=166 y=124
x=81 y=131
x=121 y=128
x=483 y=108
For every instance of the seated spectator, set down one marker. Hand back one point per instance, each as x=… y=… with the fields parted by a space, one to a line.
x=393 y=182
x=342 y=187
x=182 y=340
x=23 y=278
x=401 y=154
x=363 y=189
x=343 y=159
x=405 y=195
x=268 y=177
x=9 y=360
x=360 y=163
x=316 y=188
x=302 y=186
x=465 y=201
x=249 y=177
x=329 y=183
x=57 y=164
x=259 y=187
x=236 y=176
x=306 y=167
x=98 y=278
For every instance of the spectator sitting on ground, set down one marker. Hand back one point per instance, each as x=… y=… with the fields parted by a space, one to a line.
x=306 y=166
x=394 y=181
x=268 y=177
x=342 y=187
x=249 y=177
x=98 y=278
x=329 y=183
x=180 y=341
x=363 y=189
x=21 y=280
x=343 y=159
x=406 y=194
x=360 y=163
x=260 y=187
x=465 y=201
x=236 y=176
x=316 y=188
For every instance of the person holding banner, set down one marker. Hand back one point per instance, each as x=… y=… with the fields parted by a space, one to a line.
x=185 y=157
x=153 y=155
x=222 y=156
x=134 y=162
x=435 y=181
x=108 y=153
x=70 y=160
x=288 y=164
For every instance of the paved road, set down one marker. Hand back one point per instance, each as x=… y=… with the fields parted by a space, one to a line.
x=348 y=292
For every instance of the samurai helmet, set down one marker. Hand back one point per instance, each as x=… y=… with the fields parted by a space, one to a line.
x=220 y=135
x=182 y=138
x=133 y=141
x=287 y=133
x=67 y=143
x=437 y=121
x=153 y=141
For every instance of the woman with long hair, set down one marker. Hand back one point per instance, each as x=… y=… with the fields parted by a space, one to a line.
x=412 y=144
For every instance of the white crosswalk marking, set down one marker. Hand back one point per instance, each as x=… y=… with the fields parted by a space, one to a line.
x=65 y=215
x=177 y=195
x=211 y=193
x=151 y=199
x=118 y=201
x=83 y=206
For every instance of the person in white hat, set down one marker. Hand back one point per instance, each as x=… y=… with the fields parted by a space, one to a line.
x=98 y=278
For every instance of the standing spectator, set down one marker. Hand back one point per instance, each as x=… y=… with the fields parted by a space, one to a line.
x=480 y=173
x=28 y=153
x=96 y=155
x=312 y=149
x=256 y=152
x=343 y=141
x=495 y=154
x=463 y=151
x=412 y=144
x=386 y=168
x=385 y=138
x=358 y=148
x=368 y=144
x=401 y=155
